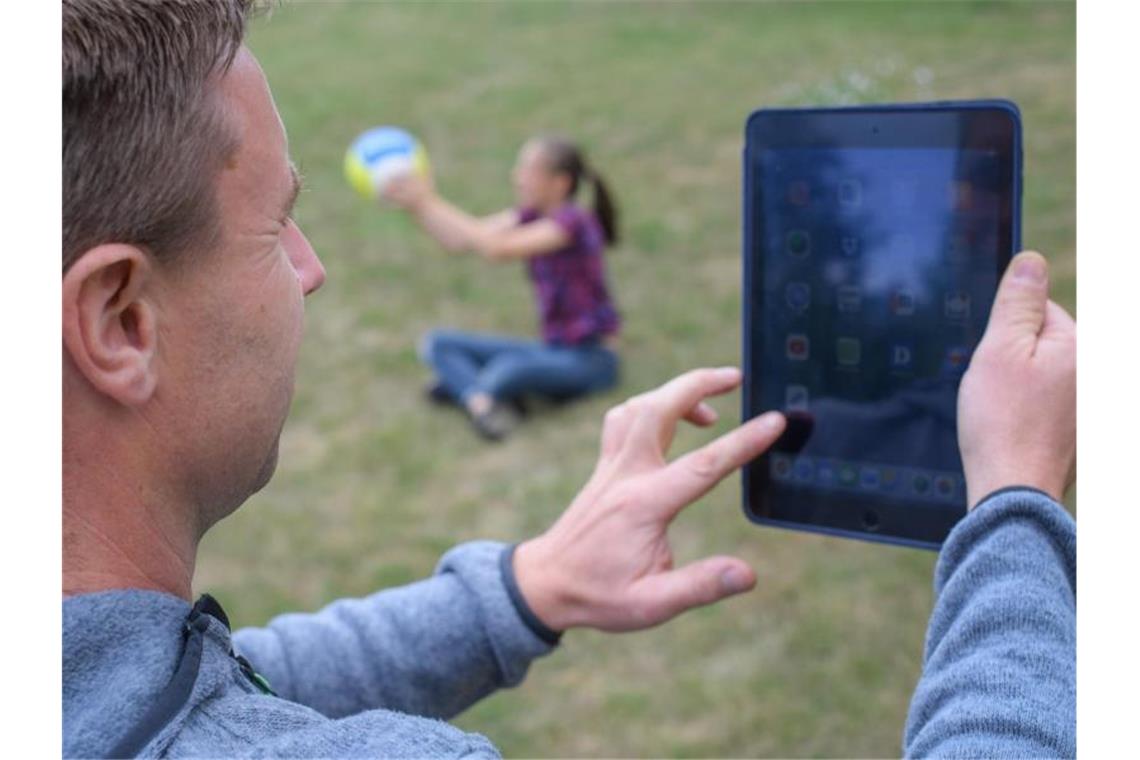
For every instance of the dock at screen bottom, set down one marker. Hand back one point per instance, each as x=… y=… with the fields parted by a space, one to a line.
x=935 y=487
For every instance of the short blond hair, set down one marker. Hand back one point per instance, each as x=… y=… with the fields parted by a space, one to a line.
x=144 y=134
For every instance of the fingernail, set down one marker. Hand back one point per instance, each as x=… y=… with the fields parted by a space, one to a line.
x=1030 y=268
x=729 y=372
x=734 y=580
x=770 y=420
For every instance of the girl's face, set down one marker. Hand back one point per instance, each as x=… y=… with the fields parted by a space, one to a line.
x=536 y=186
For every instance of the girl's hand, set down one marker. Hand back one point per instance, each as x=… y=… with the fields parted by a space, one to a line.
x=410 y=191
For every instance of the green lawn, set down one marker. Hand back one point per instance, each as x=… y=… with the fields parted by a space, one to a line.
x=374 y=485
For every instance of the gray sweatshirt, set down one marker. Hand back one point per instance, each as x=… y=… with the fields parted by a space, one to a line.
x=376 y=677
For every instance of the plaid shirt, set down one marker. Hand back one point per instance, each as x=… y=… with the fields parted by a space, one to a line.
x=574 y=303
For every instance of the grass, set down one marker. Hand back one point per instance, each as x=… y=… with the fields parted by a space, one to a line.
x=374 y=485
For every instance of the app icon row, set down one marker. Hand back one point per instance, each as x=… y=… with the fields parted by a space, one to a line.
x=900 y=355
x=902 y=193
x=800 y=243
x=840 y=474
x=901 y=301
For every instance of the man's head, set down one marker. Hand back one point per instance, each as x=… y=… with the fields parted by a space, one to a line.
x=184 y=274
x=144 y=130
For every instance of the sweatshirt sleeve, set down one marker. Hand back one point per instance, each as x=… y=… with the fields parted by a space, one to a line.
x=431 y=648
x=999 y=674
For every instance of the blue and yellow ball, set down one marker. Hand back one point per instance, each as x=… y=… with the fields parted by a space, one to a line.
x=379 y=155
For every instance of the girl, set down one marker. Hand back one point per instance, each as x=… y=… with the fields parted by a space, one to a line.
x=561 y=245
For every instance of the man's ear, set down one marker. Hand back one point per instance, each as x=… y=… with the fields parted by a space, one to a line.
x=109 y=321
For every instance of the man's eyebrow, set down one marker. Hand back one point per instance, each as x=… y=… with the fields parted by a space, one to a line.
x=294 y=191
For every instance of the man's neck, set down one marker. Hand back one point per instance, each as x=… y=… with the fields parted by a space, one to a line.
x=119 y=532
x=129 y=519
x=95 y=559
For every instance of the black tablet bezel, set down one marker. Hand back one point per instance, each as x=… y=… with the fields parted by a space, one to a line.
x=975 y=125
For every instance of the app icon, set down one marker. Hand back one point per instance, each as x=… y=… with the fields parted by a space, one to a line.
x=944 y=486
x=889 y=478
x=824 y=473
x=798 y=296
x=796 y=398
x=902 y=357
x=849 y=298
x=902 y=303
x=850 y=193
x=799 y=193
x=849 y=245
x=869 y=478
x=804 y=470
x=920 y=483
x=798 y=243
x=903 y=246
x=957 y=359
x=798 y=347
x=957 y=306
x=961 y=196
x=988 y=244
x=848 y=475
x=903 y=192
x=958 y=247
x=781 y=466
x=848 y=351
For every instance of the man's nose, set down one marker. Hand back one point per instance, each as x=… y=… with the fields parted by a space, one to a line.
x=310 y=270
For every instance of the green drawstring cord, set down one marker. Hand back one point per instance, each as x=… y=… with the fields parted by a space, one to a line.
x=259 y=680
x=174 y=697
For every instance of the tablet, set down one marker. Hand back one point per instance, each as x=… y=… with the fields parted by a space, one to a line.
x=874 y=239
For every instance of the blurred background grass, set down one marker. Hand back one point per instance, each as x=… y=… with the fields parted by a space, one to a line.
x=374 y=484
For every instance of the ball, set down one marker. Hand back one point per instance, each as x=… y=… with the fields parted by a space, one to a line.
x=379 y=155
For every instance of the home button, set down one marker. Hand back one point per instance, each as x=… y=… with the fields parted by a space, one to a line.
x=870 y=520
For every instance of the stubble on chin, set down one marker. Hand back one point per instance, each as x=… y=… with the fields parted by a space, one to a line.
x=269 y=465
x=265 y=474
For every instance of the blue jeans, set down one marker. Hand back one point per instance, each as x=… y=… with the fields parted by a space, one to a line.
x=506 y=368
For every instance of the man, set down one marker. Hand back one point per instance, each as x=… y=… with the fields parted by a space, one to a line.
x=183 y=287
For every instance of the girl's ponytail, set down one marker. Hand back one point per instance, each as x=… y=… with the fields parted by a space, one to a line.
x=567 y=158
x=604 y=208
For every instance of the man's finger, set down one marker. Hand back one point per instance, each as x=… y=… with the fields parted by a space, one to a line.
x=666 y=595
x=702 y=415
x=683 y=392
x=691 y=476
x=1059 y=323
x=1019 y=308
x=675 y=399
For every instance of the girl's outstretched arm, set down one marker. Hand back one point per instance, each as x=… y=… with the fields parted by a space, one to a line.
x=496 y=237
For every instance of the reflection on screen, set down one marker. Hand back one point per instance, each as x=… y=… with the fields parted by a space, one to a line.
x=879 y=268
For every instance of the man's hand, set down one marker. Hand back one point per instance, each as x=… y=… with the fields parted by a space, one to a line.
x=606 y=562
x=1017 y=415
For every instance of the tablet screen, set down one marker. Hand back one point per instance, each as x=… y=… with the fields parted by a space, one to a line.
x=874 y=273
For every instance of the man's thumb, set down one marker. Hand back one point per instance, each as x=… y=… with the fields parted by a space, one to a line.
x=704 y=581
x=1020 y=304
